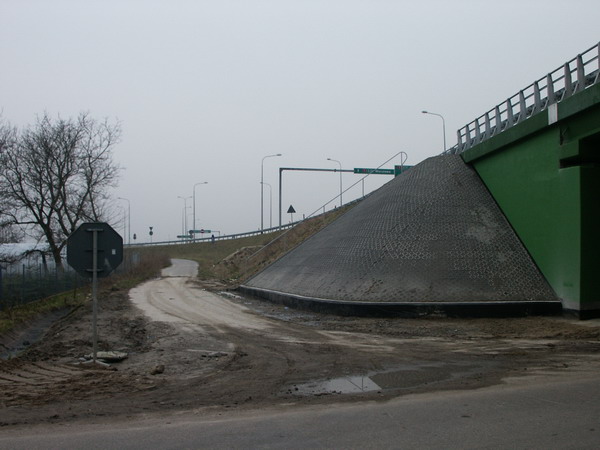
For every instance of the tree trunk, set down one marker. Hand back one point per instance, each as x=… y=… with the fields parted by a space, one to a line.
x=58 y=262
x=44 y=263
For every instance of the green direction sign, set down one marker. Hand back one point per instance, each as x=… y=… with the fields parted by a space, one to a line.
x=397 y=170
x=375 y=171
x=183 y=236
x=200 y=231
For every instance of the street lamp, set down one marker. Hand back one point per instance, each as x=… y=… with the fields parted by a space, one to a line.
x=335 y=160
x=270 y=204
x=123 y=215
x=128 y=218
x=184 y=218
x=262 y=188
x=443 y=124
x=194 y=209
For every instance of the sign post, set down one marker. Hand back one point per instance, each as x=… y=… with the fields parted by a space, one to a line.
x=291 y=212
x=83 y=247
x=94 y=293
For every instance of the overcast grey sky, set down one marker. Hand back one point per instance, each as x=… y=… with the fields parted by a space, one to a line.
x=206 y=89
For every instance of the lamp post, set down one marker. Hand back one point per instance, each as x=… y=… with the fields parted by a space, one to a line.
x=184 y=218
x=123 y=215
x=335 y=160
x=270 y=204
x=128 y=218
x=443 y=124
x=194 y=208
x=262 y=188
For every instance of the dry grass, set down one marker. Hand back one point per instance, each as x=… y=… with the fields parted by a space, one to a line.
x=208 y=254
x=234 y=261
x=147 y=268
x=229 y=261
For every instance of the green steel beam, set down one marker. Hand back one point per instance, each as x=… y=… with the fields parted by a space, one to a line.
x=545 y=176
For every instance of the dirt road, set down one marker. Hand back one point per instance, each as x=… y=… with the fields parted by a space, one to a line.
x=172 y=299
x=192 y=348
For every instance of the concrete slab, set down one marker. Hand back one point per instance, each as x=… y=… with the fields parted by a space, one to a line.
x=432 y=235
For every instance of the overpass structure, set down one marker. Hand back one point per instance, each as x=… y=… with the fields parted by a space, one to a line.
x=506 y=220
x=539 y=156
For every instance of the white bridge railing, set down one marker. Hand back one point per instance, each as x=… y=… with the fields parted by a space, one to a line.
x=574 y=76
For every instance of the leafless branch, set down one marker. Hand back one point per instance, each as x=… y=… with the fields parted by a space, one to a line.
x=55 y=175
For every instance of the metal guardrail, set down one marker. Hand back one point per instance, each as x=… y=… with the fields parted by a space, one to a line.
x=280 y=227
x=237 y=235
x=574 y=76
x=216 y=238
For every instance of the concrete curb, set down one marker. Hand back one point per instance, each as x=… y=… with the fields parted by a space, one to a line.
x=407 y=309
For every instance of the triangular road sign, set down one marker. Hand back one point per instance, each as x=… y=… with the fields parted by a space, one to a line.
x=291 y=210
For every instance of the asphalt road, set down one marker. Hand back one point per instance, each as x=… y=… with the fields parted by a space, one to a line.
x=547 y=412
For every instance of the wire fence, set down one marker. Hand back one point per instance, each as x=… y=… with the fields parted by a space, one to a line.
x=30 y=281
x=23 y=283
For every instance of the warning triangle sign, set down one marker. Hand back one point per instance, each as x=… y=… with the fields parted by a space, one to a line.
x=291 y=210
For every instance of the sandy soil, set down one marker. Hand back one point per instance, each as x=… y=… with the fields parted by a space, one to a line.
x=194 y=348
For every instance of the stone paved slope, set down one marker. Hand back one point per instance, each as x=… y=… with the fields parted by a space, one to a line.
x=433 y=234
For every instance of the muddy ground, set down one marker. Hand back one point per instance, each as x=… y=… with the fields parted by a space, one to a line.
x=269 y=355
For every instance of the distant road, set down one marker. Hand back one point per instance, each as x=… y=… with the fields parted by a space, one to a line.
x=535 y=413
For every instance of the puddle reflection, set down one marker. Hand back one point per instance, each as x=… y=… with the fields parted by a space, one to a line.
x=346 y=385
x=405 y=377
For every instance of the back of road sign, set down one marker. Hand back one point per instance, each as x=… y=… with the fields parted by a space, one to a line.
x=80 y=249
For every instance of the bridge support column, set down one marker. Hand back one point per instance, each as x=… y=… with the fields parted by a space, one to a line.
x=580 y=175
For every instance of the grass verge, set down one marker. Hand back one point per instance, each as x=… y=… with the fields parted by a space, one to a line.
x=147 y=268
x=229 y=261
x=233 y=261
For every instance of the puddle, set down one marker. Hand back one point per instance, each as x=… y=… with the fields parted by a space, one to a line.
x=397 y=378
x=348 y=385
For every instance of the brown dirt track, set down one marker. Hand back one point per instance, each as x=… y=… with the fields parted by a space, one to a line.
x=261 y=355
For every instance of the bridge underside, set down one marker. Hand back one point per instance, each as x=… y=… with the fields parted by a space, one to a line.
x=433 y=239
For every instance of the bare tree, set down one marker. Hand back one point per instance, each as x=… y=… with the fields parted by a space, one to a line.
x=8 y=232
x=55 y=175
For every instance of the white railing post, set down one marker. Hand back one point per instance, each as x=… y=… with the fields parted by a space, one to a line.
x=498 y=119
x=580 y=74
x=522 y=107
x=574 y=78
x=537 y=99
x=568 y=84
x=459 y=145
x=467 y=136
x=510 y=118
x=550 y=90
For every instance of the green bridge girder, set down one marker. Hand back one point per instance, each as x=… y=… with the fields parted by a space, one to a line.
x=544 y=173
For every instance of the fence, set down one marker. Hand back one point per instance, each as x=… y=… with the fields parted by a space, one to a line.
x=285 y=227
x=20 y=284
x=217 y=238
x=27 y=282
x=574 y=76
